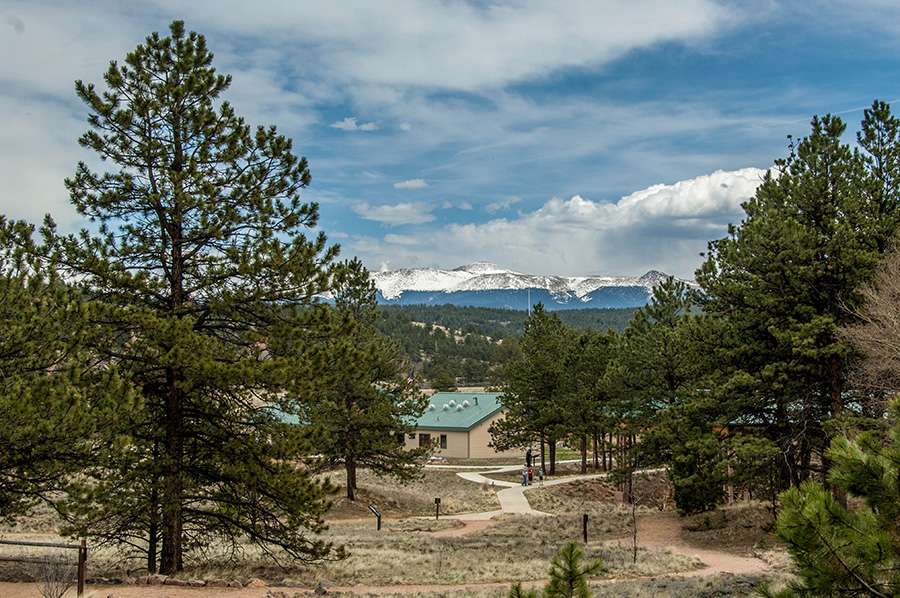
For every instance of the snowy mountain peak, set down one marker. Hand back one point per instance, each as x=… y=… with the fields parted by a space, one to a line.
x=652 y=278
x=487 y=284
x=483 y=268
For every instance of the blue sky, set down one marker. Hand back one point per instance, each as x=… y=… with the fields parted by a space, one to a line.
x=571 y=138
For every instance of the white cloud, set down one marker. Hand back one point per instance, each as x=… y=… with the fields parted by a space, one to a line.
x=405 y=127
x=501 y=205
x=411 y=184
x=465 y=206
x=349 y=124
x=400 y=240
x=402 y=213
x=663 y=227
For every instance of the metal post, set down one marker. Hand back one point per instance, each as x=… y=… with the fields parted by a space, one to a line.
x=437 y=508
x=377 y=514
x=584 y=525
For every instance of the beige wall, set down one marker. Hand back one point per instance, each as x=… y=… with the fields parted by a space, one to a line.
x=479 y=437
x=465 y=445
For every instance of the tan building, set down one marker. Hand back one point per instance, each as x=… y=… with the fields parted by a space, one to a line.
x=459 y=422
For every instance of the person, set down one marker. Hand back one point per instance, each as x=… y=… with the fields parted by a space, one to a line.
x=524 y=475
x=541 y=476
x=528 y=457
x=530 y=475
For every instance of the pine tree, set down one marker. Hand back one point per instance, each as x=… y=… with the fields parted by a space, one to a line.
x=56 y=408
x=568 y=579
x=534 y=389
x=585 y=397
x=782 y=282
x=841 y=551
x=361 y=417
x=209 y=283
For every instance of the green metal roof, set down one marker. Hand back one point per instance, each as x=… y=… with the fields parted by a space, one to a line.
x=458 y=411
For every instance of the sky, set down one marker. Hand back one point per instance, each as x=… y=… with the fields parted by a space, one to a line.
x=581 y=137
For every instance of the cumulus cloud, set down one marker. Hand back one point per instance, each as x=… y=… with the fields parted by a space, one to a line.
x=501 y=205
x=349 y=124
x=411 y=184
x=663 y=227
x=402 y=213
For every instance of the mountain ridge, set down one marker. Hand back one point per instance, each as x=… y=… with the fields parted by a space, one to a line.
x=485 y=284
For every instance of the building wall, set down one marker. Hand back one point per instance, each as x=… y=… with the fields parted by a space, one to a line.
x=465 y=445
x=479 y=437
x=457 y=443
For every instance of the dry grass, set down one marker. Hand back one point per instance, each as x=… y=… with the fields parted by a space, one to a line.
x=416 y=498
x=518 y=548
x=515 y=548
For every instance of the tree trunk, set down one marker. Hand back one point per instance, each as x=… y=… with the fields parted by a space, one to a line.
x=153 y=528
x=584 y=453
x=543 y=462
x=551 y=446
x=350 y=464
x=173 y=489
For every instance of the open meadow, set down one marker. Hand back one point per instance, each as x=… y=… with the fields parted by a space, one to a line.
x=471 y=558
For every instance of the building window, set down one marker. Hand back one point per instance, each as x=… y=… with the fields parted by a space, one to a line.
x=412 y=436
x=424 y=439
x=400 y=439
x=443 y=441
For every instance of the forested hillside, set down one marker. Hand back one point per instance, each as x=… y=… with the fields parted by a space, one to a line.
x=449 y=344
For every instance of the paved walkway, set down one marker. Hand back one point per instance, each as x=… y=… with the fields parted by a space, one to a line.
x=512 y=497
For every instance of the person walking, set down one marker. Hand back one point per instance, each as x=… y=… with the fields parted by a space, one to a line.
x=524 y=475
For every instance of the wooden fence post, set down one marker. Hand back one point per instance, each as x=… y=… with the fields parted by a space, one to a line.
x=82 y=566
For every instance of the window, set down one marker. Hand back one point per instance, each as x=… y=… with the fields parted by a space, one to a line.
x=424 y=439
x=443 y=441
x=412 y=436
x=400 y=439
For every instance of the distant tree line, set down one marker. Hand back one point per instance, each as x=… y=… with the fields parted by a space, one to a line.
x=451 y=345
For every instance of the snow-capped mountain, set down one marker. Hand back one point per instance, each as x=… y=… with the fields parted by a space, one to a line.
x=483 y=284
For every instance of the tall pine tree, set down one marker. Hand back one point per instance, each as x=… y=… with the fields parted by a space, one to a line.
x=783 y=281
x=202 y=264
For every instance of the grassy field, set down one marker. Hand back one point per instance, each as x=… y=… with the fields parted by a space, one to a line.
x=407 y=549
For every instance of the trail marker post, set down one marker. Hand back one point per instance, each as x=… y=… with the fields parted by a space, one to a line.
x=377 y=514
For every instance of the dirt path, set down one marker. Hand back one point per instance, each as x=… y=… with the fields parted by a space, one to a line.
x=662 y=531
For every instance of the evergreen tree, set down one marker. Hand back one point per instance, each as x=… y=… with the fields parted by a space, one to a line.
x=201 y=262
x=841 y=551
x=56 y=408
x=782 y=283
x=568 y=579
x=657 y=372
x=585 y=396
x=533 y=390
x=361 y=417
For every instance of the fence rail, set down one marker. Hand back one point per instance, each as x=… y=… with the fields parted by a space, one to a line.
x=82 y=556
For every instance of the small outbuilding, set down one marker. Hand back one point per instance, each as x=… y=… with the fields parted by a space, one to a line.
x=459 y=422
